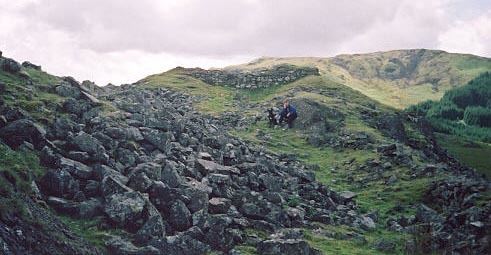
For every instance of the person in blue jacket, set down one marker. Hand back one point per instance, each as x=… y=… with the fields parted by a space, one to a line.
x=288 y=114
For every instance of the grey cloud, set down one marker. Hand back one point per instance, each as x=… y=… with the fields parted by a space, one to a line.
x=217 y=27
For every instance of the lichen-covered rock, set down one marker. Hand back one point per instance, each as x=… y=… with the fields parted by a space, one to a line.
x=126 y=210
x=179 y=216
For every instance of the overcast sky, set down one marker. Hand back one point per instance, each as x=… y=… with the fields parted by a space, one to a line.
x=121 y=41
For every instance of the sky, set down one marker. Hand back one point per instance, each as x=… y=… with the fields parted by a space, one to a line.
x=122 y=41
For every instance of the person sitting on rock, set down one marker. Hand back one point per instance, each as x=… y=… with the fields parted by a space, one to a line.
x=288 y=114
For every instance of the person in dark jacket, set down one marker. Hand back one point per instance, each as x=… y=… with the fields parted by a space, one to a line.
x=288 y=114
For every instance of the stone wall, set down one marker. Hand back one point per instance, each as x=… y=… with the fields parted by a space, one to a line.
x=253 y=79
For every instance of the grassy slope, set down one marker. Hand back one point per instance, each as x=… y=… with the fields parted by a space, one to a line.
x=34 y=98
x=213 y=99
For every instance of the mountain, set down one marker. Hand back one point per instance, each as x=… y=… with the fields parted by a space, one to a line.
x=185 y=162
x=397 y=78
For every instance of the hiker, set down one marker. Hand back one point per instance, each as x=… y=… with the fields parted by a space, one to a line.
x=288 y=114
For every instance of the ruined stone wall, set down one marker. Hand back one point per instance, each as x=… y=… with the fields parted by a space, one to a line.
x=253 y=79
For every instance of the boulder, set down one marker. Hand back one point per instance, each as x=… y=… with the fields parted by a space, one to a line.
x=17 y=132
x=77 y=107
x=179 y=216
x=63 y=127
x=367 y=223
x=157 y=138
x=385 y=245
x=152 y=170
x=90 y=208
x=65 y=90
x=87 y=143
x=170 y=176
x=392 y=125
x=101 y=171
x=75 y=168
x=218 y=205
x=162 y=196
x=58 y=183
x=205 y=156
x=111 y=185
x=218 y=232
x=197 y=193
x=253 y=211
x=63 y=206
x=184 y=243
x=428 y=215
x=118 y=246
x=346 y=196
x=79 y=156
x=28 y=64
x=134 y=134
x=140 y=182
x=205 y=167
x=285 y=247
x=125 y=210
x=90 y=98
x=48 y=158
x=153 y=229
x=92 y=189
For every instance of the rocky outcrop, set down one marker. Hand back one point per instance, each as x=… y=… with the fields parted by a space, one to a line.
x=28 y=64
x=258 y=78
x=454 y=223
x=9 y=65
x=171 y=178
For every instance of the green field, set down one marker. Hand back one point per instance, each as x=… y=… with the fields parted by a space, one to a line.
x=473 y=154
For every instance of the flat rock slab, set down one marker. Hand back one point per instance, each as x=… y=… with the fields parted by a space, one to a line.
x=206 y=166
x=347 y=195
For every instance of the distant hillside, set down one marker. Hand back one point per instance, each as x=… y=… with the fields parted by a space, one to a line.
x=463 y=117
x=397 y=78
